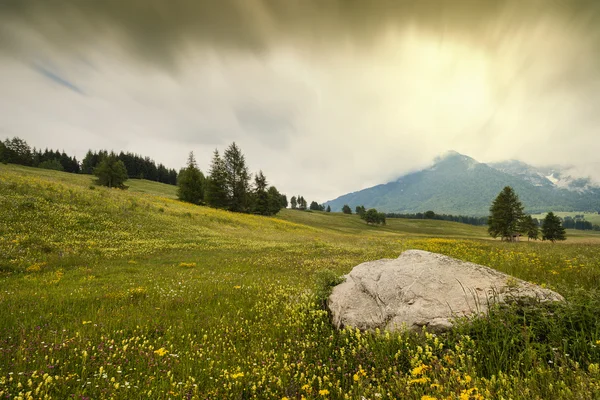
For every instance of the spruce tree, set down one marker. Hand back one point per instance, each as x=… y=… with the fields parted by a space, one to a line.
x=216 y=188
x=552 y=228
x=261 y=197
x=506 y=215
x=190 y=182
x=530 y=225
x=238 y=178
x=328 y=209
x=294 y=202
x=90 y=161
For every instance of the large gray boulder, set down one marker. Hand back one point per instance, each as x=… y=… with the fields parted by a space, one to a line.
x=419 y=289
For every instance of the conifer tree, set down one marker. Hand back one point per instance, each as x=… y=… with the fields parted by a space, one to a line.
x=506 y=215
x=89 y=162
x=190 y=182
x=328 y=209
x=216 y=187
x=552 y=228
x=238 y=178
x=346 y=209
x=530 y=225
x=294 y=202
x=261 y=197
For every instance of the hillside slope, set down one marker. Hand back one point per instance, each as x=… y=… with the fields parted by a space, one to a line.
x=50 y=215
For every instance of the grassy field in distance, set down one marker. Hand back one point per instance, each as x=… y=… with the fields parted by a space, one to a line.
x=592 y=217
x=107 y=293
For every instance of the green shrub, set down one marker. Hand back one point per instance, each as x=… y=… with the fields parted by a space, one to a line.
x=325 y=280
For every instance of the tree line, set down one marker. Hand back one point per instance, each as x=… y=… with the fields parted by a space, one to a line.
x=579 y=222
x=299 y=203
x=229 y=185
x=370 y=216
x=137 y=166
x=477 y=221
x=18 y=151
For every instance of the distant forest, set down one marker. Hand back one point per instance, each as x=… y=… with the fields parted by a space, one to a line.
x=478 y=221
x=17 y=151
x=578 y=223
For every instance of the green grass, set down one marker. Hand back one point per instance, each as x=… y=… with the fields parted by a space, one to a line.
x=131 y=294
x=150 y=187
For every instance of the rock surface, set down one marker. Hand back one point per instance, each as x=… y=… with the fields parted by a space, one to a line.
x=419 y=289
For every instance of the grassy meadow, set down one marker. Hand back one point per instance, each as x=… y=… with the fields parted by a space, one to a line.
x=110 y=294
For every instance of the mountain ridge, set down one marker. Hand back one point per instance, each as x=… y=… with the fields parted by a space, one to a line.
x=458 y=184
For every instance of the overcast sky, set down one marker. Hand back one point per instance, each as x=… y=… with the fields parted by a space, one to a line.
x=325 y=96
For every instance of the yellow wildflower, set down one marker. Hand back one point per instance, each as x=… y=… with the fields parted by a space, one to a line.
x=323 y=392
x=161 y=352
x=418 y=380
x=466 y=394
x=419 y=370
x=188 y=265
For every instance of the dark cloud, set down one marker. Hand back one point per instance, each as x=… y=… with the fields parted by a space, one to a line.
x=160 y=30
